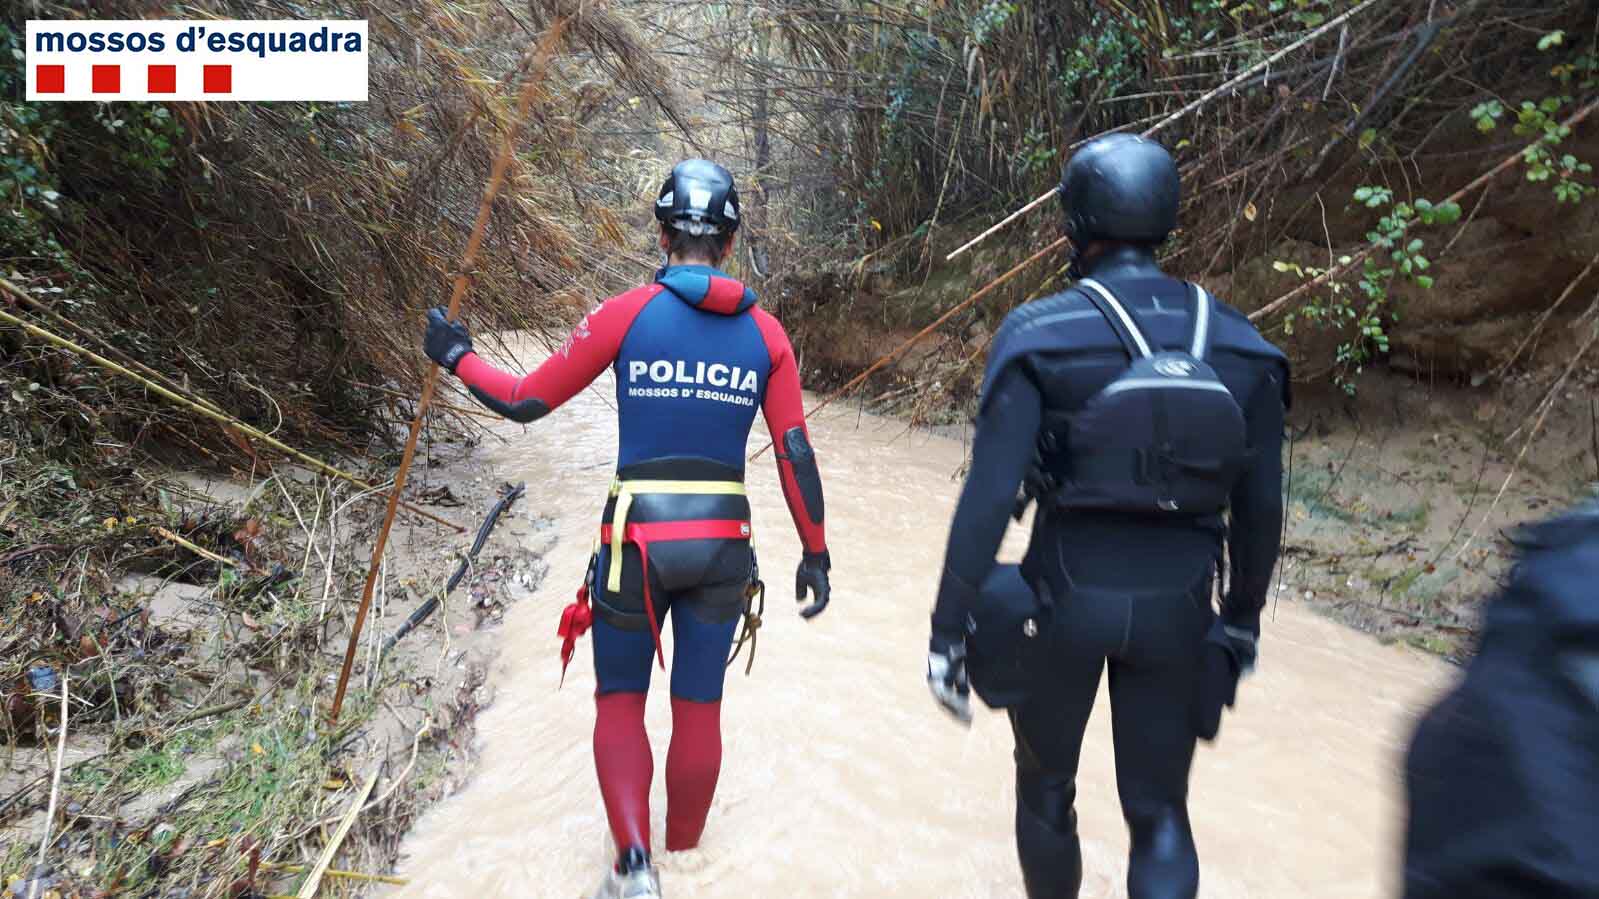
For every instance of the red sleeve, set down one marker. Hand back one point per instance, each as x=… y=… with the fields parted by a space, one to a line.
x=784 y=410
x=591 y=347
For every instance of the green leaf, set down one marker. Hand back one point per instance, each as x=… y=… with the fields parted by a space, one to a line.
x=1362 y=194
x=1552 y=39
x=1367 y=138
x=1415 y=246
x=1425 y=281
x=1449 y=213
x=1280 y=265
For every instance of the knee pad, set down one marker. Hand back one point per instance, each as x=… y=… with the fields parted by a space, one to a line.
x=1046 y=835
x=1164 y=863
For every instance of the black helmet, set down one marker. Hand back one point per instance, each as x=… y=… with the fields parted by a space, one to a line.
x=1120 y=187
x=698 y=197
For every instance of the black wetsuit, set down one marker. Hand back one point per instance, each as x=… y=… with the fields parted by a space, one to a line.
x=1131 y=593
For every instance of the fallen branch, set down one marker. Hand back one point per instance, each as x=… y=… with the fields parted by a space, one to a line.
x=427 y=608
x=221 y=417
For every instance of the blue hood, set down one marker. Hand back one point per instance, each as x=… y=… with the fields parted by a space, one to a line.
x=707 y=288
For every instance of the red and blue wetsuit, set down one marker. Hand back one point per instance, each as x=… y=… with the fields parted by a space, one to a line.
x=694 y=357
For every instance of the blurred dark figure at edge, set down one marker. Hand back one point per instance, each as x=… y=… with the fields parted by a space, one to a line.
x=1146 y=419
x=1502 y=777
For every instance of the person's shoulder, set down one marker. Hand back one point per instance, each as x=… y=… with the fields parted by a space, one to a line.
x=634 y=298
x=1039 y=313
x=772 y=333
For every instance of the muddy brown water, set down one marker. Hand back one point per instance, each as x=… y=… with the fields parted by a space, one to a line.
x=840 y=776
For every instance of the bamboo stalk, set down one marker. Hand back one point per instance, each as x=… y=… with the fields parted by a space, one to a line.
x=334 y=872
x=502 y=163
x=84 y=332
x=222 y=417
x=314 y=880
x=915 y=338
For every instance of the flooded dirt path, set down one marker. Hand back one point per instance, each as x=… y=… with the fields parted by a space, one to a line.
x=840 y=777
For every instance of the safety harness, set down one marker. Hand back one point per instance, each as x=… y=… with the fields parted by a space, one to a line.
x=578 y=616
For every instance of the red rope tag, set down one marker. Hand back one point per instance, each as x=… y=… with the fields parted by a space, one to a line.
x=575 y=621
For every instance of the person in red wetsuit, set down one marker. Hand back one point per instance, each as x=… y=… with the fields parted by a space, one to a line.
x=694 y=357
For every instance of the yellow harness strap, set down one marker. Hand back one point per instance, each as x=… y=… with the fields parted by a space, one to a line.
x=624 y=491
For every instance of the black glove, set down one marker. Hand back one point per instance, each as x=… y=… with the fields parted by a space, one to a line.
x=446 y=341
x=1229 y=654
x=812 y=573
x=946 y=677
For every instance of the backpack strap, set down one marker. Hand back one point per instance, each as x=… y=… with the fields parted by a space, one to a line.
x=1121 y=318
x=1201 y=322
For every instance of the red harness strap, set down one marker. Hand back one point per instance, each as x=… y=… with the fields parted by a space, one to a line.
x=641 y=534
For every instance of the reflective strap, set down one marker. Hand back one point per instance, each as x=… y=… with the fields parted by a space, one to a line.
x=642 y=534
x=624 y=491
x=1201 y=324
x=1126 y=384
x=1121 y=313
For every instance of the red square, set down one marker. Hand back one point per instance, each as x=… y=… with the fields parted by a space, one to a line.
x=163 y=79
x=219 y=79
x=50 y=79
x=107 y=80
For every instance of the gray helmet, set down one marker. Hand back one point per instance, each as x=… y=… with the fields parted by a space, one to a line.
x=698 y=197
x=1120 y=187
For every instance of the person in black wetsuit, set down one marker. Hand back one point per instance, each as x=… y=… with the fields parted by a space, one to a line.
x=1122 y=589
x=1502 y=774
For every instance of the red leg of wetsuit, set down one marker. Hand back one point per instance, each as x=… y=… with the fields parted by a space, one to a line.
x=692 y=765
x=624 y=764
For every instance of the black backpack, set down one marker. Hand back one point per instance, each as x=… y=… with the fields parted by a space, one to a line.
x=1165 y=437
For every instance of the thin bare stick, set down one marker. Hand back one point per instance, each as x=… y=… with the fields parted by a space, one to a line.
x=502 y=163
x=197 y=550
x=915 y=338
x=416 y=744
x=1002 y=224
x=55 y=787
x=1548 y=404
x=314 y=879
x=193 y=406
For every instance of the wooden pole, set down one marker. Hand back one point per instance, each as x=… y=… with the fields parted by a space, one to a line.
x=496 y=177
x=913 y=339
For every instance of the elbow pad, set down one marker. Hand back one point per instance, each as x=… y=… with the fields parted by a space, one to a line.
x=525 y=411
x=802 y=462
